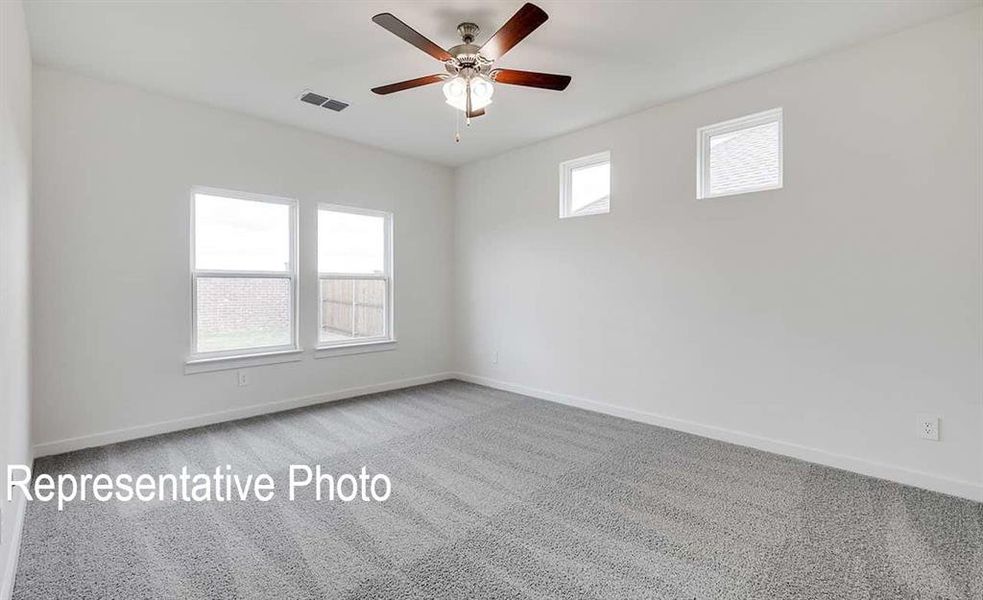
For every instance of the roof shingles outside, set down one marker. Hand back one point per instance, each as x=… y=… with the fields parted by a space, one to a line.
x=745 y=160
x=601 y=205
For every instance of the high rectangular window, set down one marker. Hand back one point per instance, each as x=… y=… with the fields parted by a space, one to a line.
x=354 y=261
x=244 y=274
x=740 y=156
x=585 y=186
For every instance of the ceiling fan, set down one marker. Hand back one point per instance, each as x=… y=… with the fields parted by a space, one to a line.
x=468 y=82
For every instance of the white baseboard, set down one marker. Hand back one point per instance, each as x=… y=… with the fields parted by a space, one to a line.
x=954 y=487
x=9 y=570
x=142 y=431
x=928 y=481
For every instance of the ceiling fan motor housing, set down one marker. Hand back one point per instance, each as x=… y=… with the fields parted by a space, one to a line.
x=467 y=59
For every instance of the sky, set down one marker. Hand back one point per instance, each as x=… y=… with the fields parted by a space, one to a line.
x=247 y=235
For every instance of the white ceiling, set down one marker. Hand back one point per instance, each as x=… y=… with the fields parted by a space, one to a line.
x=256 y=57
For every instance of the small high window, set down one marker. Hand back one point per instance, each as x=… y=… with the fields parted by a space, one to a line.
x=585 y=186
x=740 y=156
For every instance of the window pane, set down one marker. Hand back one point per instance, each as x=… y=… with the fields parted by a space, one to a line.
x=352 y=309
x=243 y=312
x=745 y=160
x=350 y=243
x=241 y=235
x=590 y=188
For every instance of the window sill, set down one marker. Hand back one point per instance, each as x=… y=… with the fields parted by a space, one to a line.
x=741 y=192
x=224 y=363
x=356 y=348
x=586 y=213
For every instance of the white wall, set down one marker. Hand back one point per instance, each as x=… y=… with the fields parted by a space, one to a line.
x=15 y=192
x=815 y=320
x=113 y=169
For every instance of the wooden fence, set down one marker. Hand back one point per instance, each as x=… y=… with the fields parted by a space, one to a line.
x=353 y=308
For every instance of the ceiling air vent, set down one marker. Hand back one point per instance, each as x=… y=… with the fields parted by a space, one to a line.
x=323 y=101
x=336 y=105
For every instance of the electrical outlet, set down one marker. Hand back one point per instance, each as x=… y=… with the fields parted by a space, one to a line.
x=242 y=378
x=928 y=427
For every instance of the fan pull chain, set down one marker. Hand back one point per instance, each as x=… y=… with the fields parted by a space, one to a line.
x=457 y=128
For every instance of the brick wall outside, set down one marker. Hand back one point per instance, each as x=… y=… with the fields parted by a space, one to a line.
x=239 y=312
x=242 y=312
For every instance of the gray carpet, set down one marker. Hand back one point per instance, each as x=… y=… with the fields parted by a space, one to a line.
x=498 y=496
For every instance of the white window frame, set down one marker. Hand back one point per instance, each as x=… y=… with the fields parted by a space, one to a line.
x=291 y=274
x=703 y=135
x=389 y=338
x=567 y=168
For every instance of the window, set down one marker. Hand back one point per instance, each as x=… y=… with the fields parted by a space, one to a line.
x=354 y=262
x=585 y=186
x=742 y=155
x=244 y=274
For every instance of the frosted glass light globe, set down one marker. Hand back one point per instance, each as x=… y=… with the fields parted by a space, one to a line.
x=455 y=91
x=481 y=89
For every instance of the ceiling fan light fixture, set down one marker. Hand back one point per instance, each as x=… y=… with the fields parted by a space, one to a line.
x=468 y=76
x=455 y=91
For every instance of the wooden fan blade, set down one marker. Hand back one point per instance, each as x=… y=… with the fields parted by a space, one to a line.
x=476 y=113
x=409 y=84
x=522 y=23
x=546 y=81
x=402 y=30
